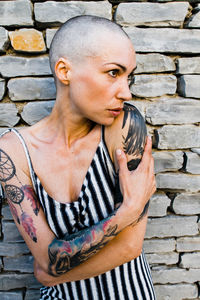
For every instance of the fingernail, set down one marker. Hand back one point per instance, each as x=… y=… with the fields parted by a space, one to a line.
x=149 y=137
x=119 y=152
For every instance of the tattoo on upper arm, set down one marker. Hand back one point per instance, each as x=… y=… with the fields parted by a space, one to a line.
x=74 y=249
x=16 y=195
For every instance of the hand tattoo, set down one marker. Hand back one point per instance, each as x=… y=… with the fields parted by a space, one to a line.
x=74 y=249
x=133 y=144
x=16 y=195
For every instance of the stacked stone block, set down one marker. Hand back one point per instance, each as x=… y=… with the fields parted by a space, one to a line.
x=166 y=36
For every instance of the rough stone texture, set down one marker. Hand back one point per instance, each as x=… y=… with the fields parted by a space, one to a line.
x=155 y=62
x=173 y=181
x=178 y=137
x=10 y=232
x=49 y=36
x=170 y=226
x=173 y=111
x=31 y=88
x=167 y=161
x=55 y=13
x=22 y=264
x=188 y=86
x=16 y=13
x=176 y=291
x=8 y=114
x=2 y=88
x=187 y=204
x=14 y=281
x=34 y=112
x=158 y=205
x=194 y=21
x=190 y=260
x=151 y=14
x=4 y=40
x=164 y=40
x=188 y=65
x=159 y=245
x=14 y=66
x=153 y=85
x=196 y=150
x=32 y=295
x=6 y=213
x=188 y=244
x=174 y=275
x=27 y=40
x=193 y=163
x=13 y=249
x=162 y=258
x=15 y=295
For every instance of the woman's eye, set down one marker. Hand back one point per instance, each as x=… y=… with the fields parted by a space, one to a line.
x=114 y=73
x=131 y=80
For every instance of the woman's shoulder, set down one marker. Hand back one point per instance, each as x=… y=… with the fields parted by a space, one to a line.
x=128 y=132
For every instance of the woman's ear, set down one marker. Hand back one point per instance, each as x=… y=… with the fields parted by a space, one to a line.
x=62 y=70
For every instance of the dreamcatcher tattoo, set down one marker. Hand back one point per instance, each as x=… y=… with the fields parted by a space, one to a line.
x=15 y=195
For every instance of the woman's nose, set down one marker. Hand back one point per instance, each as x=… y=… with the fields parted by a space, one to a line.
x=124 y=91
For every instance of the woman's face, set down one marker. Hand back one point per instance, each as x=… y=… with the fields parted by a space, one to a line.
x=100 y=84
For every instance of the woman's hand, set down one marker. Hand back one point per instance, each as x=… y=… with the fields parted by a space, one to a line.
x=136 y=186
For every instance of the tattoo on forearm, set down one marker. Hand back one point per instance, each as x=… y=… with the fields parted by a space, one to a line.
x=16 y=195
x=74 y=249
x=133 y=144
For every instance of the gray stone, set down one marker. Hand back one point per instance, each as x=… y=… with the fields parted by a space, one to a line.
x=55 y=13
x=14 y=295
x=174 y=111
x=152 y=14
x=178 y=136
x=163 y=275
x=8 y=114
x=14 y=281
x=159 y=245
x=163 y=258
x=32 y=295
x=194 y=21
x=31 y=88
x=190 y=260
x=153 y=85
x=13 y=249
x=155 y=62
x=188 y=86
x=16 y=13
x=49 y=36
x=22 y=264
x=158 y=205
x=188 y=244
x=171 y=226
x=164 y=40
x=193 y=163
x=173 y=181
x=176 y=291
x=2 y=88
x=10 y=232
x=167 y=161
x=187 y=204
x=188 y=65
x=13 y=66
x=4 y=40
x=6 y=213
x=34 y=112
x=196 y=150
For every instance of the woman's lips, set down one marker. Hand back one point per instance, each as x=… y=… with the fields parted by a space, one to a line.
x=115 y=111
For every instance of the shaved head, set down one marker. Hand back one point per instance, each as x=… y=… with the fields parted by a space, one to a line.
x=82 y=37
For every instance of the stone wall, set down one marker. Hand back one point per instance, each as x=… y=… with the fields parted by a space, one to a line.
x=166 y=36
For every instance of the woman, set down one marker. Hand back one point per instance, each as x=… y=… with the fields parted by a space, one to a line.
x=80 y=210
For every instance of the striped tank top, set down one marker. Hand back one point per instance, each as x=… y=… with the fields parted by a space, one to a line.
x=130 y=281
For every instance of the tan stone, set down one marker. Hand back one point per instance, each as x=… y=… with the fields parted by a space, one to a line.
x=27 y=40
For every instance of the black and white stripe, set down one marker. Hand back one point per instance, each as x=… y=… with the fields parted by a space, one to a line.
x=130 y=281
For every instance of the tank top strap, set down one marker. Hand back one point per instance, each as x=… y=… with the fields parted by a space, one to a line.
x=18 y=134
